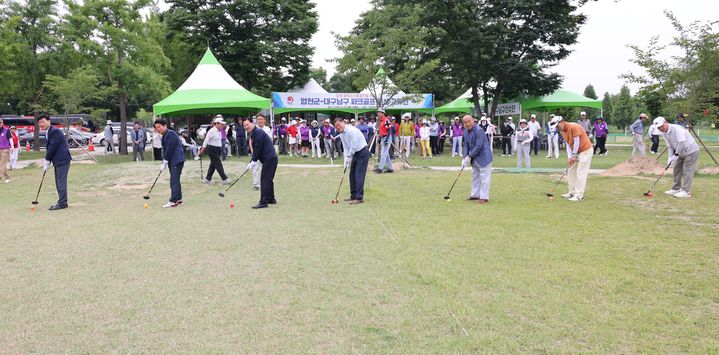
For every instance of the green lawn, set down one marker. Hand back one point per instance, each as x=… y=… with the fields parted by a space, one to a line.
x=404 y=273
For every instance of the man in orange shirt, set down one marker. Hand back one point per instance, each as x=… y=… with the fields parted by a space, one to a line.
x=579 y=152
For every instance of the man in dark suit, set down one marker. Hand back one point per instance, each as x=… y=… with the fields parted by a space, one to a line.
x=263 y=151
x=58 y=154
x=172 y=157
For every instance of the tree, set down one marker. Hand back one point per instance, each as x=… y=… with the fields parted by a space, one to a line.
x=502 y=49
x=590 y=93
x=623 y=109
x=132 y=62
x=74 y=90
x=320 y=75
x=340 y=82
x=263 y=44
x=608 y=107
x=34 y=30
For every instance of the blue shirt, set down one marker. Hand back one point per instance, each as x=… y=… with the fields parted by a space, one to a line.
x=352 y=140
x=57 y=151
x=637 y=127
x=476 y=145
x=172 y=148
x=262 y=147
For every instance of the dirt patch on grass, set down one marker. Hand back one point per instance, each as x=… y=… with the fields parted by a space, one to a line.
x=125 y=187
x=712 y=170
x=636 y=166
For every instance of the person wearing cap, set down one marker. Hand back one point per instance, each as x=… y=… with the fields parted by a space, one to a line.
x=600 y=131
x=292 y=131
x=523 y=139
x=507 y=131
x=683 y=154
x=406 y=132
x=213 y=146
x=654 y=134
x=15 y=143
x=315 y=137
x=434 y=135
x=491 y=130
x=281 y=133
x=364 y=128
x=441 y=135
x=552 y=139
x=304 y=134
x=327 y=133
x=514 y=130
x=586 y=124
x=356 y=157
x=455 y=132
x=109 y=139
x=425 y=140
x=579 y=151
x=263 y=152
x=173 y=157
x=385 y=162
x=535 y=127
x=637 y=129
x=6 y=147
x=477 y=154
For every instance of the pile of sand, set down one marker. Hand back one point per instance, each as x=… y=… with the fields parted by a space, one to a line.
x=712 y=170
x=636 y=166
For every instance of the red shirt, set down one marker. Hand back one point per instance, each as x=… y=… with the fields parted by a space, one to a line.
x=292 y=131
x=15 y=139
x=383 y=129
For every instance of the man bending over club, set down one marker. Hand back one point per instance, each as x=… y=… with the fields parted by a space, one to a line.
x=263 y=151
x=477 y=153
x=579 y=151
x=356 y=158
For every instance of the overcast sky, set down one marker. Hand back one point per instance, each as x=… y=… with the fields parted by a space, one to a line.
x=600 y=55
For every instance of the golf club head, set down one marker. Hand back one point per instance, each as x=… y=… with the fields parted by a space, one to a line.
x=146 y=197
x=221 y=194
x=648 y=194
x=446 y=197
x=35 y=202
x=334 y=202
x=550 y=195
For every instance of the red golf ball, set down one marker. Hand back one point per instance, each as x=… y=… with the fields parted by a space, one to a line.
x=232 y=205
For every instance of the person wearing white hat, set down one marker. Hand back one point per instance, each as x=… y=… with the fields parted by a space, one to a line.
x=552 y=139
x=328 y=132
x=586 y=124
x=315 y=138
x=109 y=138
x=579 y=151
x=425 y=140
x=507 y=131
x=385 y=139
x=434 y=136
x=523 y=139
x=637 y=129
x=213 y=145
x=455 y=132
x=490 y=130
x=406 y=132
x=535 y=127
x=683 y=154
x=292 y=138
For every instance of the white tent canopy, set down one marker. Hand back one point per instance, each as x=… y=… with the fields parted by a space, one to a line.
x=312 y=87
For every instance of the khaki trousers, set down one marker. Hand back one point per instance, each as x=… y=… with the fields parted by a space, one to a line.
x=577 y=173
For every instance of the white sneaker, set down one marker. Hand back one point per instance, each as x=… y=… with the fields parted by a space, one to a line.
x=683 y=194
x=169 y=205
x=567 y=195
x=197 y=157
x=205 y=181
x=672 y=192
x=548 y=156
x=226 y=182
x=7 y=181
x=575 y=198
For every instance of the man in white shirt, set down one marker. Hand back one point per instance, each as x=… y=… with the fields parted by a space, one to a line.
x=683 y=154
x=356 y=159
x=534 y=127
x=213 y=146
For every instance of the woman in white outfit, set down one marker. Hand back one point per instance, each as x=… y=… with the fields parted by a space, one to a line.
x=522 y=139
x=552 y=139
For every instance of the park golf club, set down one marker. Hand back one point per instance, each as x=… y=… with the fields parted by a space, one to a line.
x=147 y=197
x=650 y=193
x=202 y=171
x=222 y=194
x=336 y=201
x=446 y=198
x=551 y=194
x=39 y=188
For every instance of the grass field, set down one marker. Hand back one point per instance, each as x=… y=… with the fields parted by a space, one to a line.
x=405 y=272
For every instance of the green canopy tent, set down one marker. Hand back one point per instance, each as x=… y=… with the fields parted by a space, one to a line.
x=210 y=89
x=560 y=98
x=462 y=104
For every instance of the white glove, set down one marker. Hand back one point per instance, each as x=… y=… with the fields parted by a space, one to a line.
x=251 y=165
x=672 y=159
x=465 y=161
x=46 y=165
x=348 y=161
x=164 y=165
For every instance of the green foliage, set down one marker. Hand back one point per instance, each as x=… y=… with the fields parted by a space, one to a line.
x=320 y=75
x=623 y=109
x=589 y=92
x=263 y=44
x=341 y=82
x=608 y=107
x=74 y=90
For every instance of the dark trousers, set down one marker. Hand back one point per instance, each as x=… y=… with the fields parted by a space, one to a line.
x=433 y=144
x=440 y=145
x=267 y=185
x=655 y=143
x=281 y=142
x=601 y=145
x=506 y=145
x=61 y=183
x=358 y=172
x=215 y=162
x=223 y=150
x=157 y=153
x=535 y=145
x=241 y=146
x=138 y=149
x=175 y=185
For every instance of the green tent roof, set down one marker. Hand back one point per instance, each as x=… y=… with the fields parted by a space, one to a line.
x=210 y=89
x=559 y=98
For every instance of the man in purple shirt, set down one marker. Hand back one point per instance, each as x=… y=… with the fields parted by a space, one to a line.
x=456 y=134
x=600 y=133
x=282 y=136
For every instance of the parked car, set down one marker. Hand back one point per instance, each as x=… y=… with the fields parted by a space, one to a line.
x=202 y=131
x=79 y=136
x=99 y=138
